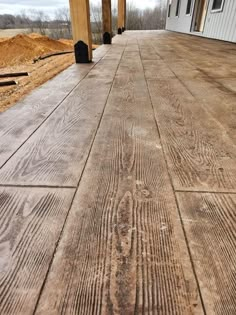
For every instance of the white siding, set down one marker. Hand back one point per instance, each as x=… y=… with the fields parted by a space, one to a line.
x=221 y=25
x=218 y=25
x=181 y=23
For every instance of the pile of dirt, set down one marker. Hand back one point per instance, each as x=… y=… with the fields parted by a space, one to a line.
x=35 y=35
x=66 y=41
x=2 y=39
x=54 y=45
x=23 y=48
x=70 y=43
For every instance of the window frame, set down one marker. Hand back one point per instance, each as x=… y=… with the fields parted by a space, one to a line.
x=217 y=10
x=178 y=6
x=169 y=10
x=191 y=7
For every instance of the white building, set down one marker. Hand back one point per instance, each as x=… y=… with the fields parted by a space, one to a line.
x=208 y=18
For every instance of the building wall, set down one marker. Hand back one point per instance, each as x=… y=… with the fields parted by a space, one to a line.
x=218 y=25
x=221 y=25
x=181 y=23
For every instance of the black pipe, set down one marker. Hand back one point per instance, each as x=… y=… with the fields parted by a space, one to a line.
x=53 y=54
x=7 y=83
x=16 y=74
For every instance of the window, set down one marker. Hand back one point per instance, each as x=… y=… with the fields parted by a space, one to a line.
x=177 y=8
x=217 y=5
x=169 y=8
x=189 y=7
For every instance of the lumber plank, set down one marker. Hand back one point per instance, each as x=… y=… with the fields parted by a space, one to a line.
x=123 y=249
x=30 y=224
x=20 y=121
x=209 y=221
x=56 y=153
x=199 y=152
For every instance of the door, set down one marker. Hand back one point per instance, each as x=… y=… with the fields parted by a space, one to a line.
x=200 y=12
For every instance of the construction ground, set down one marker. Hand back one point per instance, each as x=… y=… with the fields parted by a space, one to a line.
x=19 y=54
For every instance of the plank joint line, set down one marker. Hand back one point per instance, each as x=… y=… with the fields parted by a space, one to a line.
x=177 y=205
x=206 y=192
x=50 y=114
x=73 y=198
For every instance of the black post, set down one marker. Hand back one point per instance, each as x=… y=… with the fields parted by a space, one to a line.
x=107 y=38
x=81 y=52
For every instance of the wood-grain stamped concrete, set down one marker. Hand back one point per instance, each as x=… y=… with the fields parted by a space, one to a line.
x=118 y=196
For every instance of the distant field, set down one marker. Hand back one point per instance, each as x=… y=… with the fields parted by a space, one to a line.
x=12 y=32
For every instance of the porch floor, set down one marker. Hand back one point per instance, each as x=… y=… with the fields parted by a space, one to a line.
x=118 y=183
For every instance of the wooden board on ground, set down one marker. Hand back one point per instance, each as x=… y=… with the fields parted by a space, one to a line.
x=200 y=155
x=20 y=121
x=209 y=221
x=31 y=221
x=123 y=249
x=55 y=155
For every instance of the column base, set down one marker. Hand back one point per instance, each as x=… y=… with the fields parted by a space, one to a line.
x=119 y=31
x=107 y=38
x=81 y=52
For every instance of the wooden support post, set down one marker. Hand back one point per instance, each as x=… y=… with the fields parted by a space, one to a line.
x=121 y=16
x=107 y=21
x=81 y=29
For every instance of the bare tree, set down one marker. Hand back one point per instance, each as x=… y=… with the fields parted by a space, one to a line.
x=147 y=19
x=96 y=22
x=134 y=17
x=38 y=21
x=60 y=26
x=63 y=22
x=114 y=13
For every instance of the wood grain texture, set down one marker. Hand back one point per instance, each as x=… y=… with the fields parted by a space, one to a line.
x=123 y=250
x=20 y=121
x=56 y=153
x=210 y=78
x=217 y=98
x=157 y=69
x=30 y=224
x=200 y=155
x=210 y=224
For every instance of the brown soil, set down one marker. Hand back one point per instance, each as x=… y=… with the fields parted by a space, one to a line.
x=17 y=54
x=22 y=48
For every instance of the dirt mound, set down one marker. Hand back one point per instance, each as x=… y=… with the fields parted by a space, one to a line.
x=23 y=48
x=35 y=35
x=66 y=41
x=70 y=43
x=2 y=39
x=52 y=44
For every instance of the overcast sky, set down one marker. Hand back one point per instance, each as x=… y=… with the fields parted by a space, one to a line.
x=49 y=6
